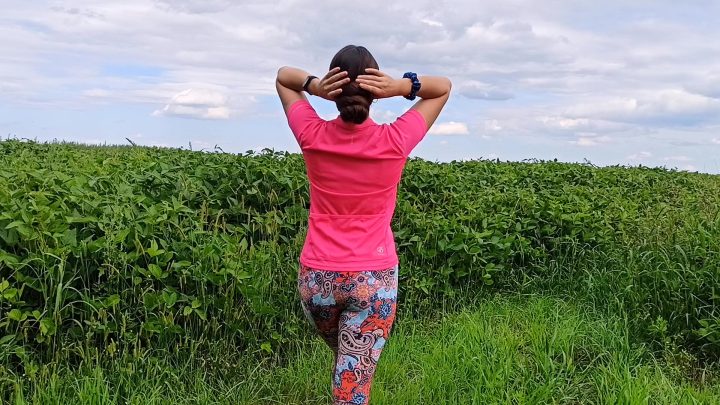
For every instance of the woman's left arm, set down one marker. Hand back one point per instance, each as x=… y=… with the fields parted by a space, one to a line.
x=289 y=84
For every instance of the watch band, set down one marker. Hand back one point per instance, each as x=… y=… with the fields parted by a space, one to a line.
x=306 y=85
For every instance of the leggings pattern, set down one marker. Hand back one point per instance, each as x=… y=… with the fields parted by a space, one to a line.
x=353 y=312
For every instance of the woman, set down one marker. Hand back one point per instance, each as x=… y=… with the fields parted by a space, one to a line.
x=348 y=272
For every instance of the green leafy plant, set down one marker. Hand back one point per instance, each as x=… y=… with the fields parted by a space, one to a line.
x=117 y=250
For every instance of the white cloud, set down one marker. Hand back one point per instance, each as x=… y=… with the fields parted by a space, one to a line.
x=706 y=84
x=591 y=140
x=492 y=126
x=201 y=145
x=382 y=116
x=678 y=158
x=449 y=128
x=329 y=116
x=199 y=97
x=664 y=105
x=97 y=93
x=640 y=156
x=197 y=103
x=483 y=91
x=500 y=31
x=430 y=22
x=716 y=141
x=197 y=6
x=260 y=148
x=564 y=123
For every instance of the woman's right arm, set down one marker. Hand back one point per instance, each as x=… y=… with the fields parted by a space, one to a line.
x=434 y=91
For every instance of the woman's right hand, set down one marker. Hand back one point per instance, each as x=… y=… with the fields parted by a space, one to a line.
x=382 y=85
x=330 y=86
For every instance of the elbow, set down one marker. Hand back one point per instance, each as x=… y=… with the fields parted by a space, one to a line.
x=448 y=85
x=280 y=73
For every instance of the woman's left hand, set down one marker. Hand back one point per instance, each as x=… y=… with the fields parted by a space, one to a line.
x=330 y=86
x=380 y=84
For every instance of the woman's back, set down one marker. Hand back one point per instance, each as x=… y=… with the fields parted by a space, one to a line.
x=364 y=157
x=354 y=171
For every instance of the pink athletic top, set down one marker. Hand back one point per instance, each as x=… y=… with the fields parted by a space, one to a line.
x=354 y=171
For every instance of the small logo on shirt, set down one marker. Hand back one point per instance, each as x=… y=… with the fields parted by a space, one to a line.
x=381 y=250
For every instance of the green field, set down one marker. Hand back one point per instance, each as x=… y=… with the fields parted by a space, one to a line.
x=149 y=275
x=521 y=350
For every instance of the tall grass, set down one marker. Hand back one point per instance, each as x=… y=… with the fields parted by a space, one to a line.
x=116 y=254
x=521 y=349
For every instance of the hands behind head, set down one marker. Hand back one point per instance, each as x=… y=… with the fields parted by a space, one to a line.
x=330 y=86
x=379 y=84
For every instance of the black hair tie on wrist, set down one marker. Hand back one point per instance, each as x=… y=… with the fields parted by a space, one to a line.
x=415 y=85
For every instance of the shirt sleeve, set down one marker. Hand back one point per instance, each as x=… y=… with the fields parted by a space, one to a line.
x=300 y=116
x=410 y=128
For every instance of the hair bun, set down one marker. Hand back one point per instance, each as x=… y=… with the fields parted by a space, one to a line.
x=353 y=109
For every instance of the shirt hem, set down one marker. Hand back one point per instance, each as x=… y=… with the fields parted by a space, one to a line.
x=350 y=267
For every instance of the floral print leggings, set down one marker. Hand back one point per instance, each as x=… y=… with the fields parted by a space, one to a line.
x=353 y=312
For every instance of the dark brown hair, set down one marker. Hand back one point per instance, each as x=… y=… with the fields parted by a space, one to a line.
x=354 y=102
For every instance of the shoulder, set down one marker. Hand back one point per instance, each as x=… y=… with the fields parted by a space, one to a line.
x=300 y=106
x=411 y=120
x=408 y=130
x=302 y=112
x=302 y=118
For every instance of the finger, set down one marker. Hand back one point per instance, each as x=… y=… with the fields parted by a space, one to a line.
x=375 y=72
x=369 y=79
x=373 y=82
x=338 y=84
x=335 y=93
x=372 y=89
x=338 y=76
x=331 y=72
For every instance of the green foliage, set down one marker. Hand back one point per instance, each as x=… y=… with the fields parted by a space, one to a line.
x=114 y=251
x=504 y=350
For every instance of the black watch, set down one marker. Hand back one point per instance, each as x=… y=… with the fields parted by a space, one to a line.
x=306 y=85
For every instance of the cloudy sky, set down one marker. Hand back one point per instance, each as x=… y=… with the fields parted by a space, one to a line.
x=613 y=82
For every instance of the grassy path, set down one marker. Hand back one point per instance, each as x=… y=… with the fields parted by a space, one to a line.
x=520 y=350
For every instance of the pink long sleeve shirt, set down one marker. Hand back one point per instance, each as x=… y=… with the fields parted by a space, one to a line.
x=354 y=171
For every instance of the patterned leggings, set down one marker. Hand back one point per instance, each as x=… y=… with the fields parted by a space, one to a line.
x=353 y=312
